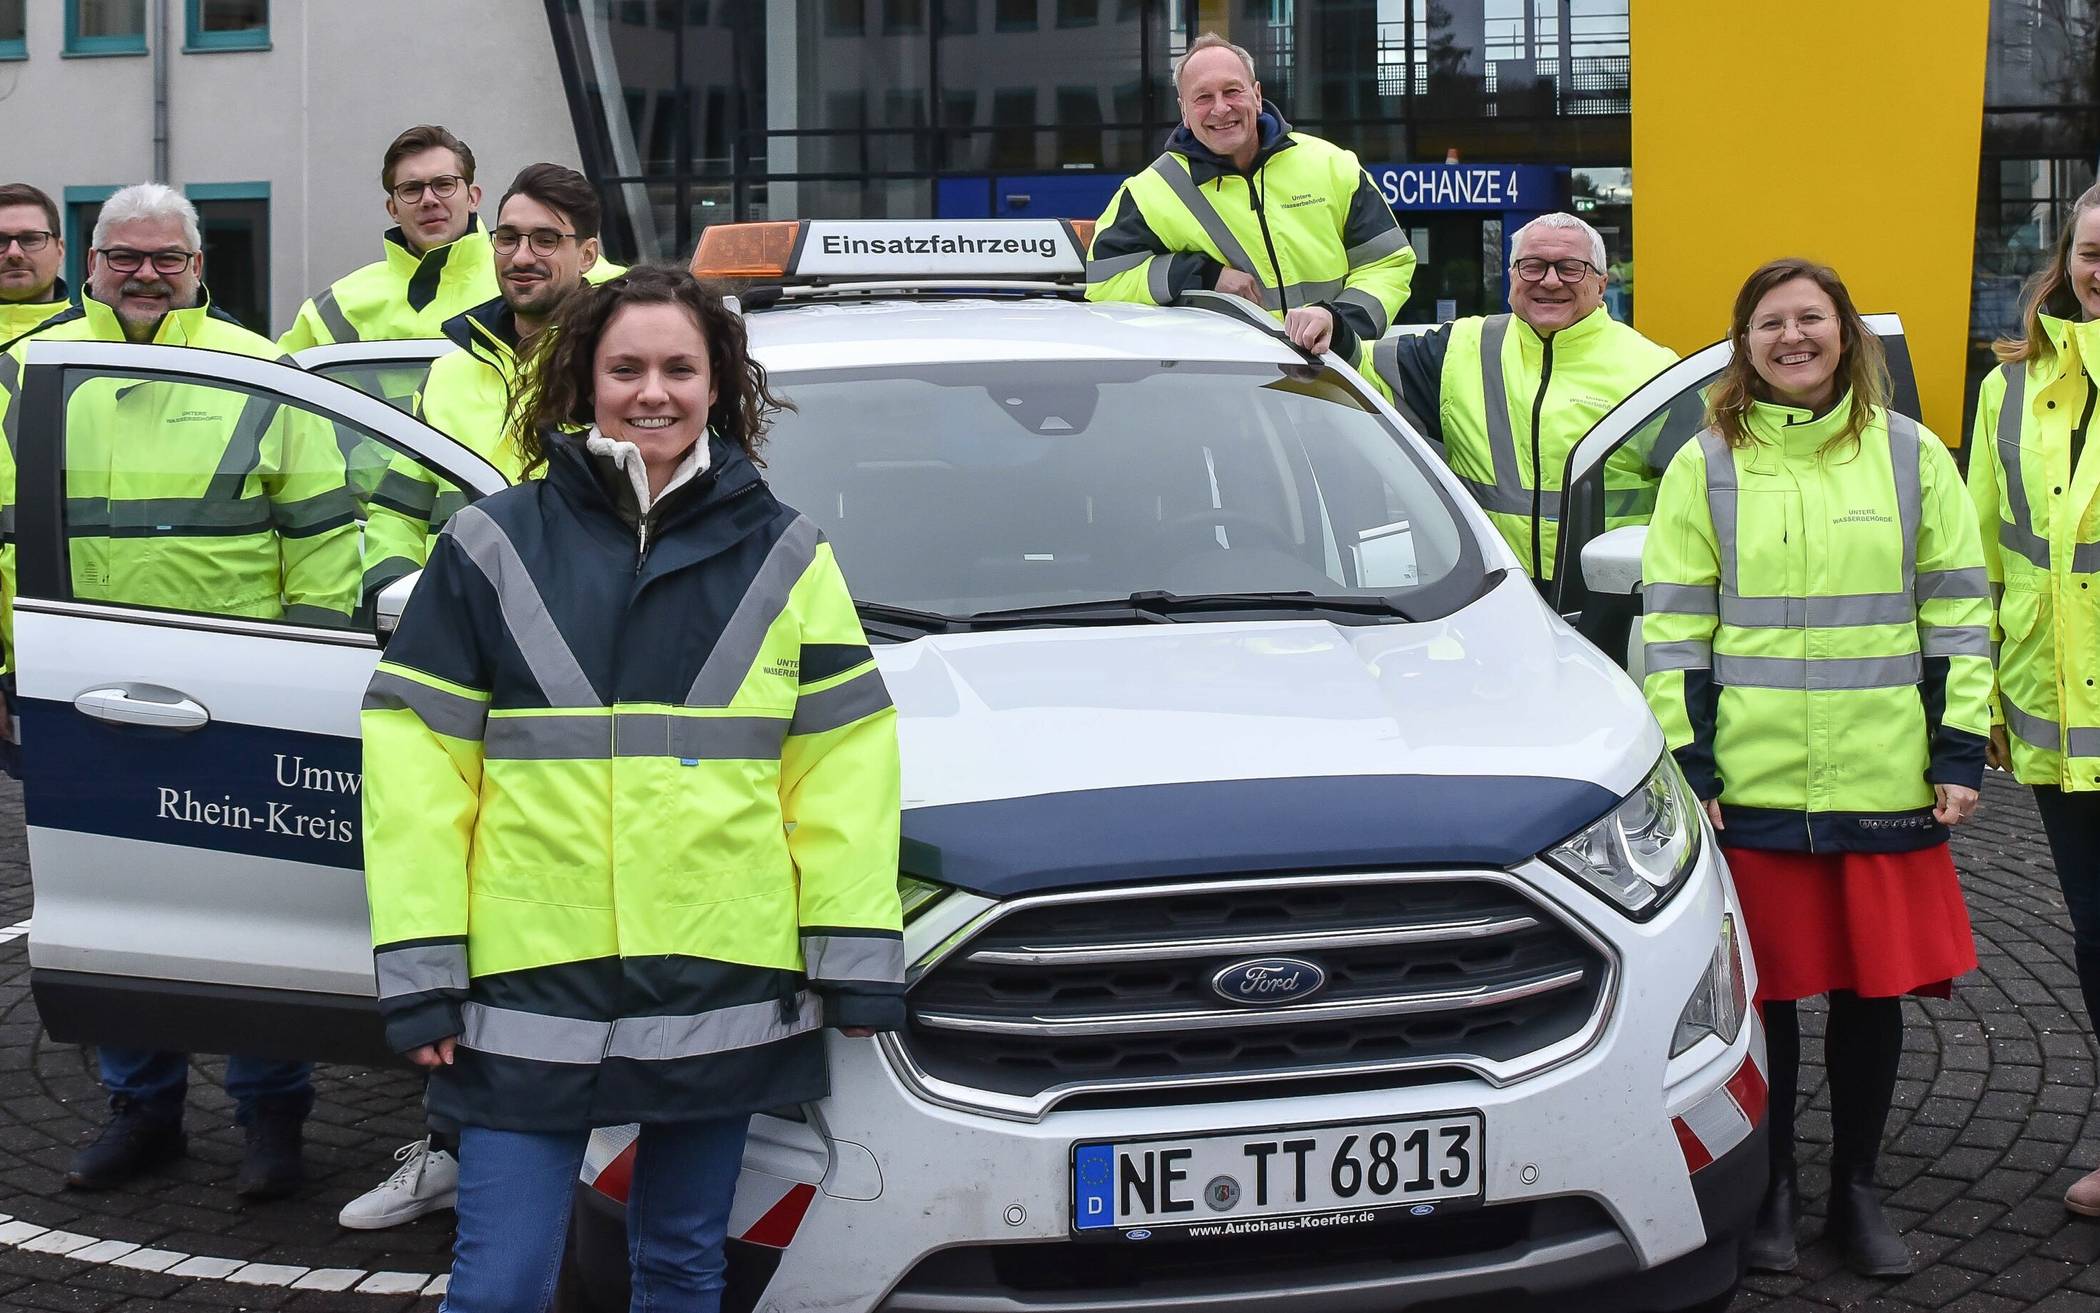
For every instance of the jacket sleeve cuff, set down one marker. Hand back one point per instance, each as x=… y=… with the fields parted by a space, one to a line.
x=850 y=1007
x=1957 y=758
x=1191 y=271
x=1345 y=340
x=417 y=1024
x=1699 y=772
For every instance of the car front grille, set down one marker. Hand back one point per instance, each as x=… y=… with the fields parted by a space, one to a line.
x=1066 y=997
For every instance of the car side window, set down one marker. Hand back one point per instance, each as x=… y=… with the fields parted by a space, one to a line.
x=213 y=498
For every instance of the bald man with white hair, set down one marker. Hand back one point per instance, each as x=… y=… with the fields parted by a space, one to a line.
x=1510 y=395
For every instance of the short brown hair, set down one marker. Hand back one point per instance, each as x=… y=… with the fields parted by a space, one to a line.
x=561 y=189
x=21 y=193
x=422 y=137
x=1861 y=360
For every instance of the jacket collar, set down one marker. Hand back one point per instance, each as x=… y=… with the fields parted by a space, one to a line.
x=1583 y=332
x=2075 y=343
x=489 y=330
x=1794 y=431
x=1206 y=164
x=423 y=272
x=686 y=523
x=177 y=327
x=57 y=294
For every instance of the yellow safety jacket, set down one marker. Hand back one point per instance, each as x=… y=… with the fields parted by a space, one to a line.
x=1817 y=631
x=466 y=397
x=21 y=318
x=405 y=294
x=1509 y=406
x=631 y=805
x=192 y=497
x=1305 y=220
x=2041 y=538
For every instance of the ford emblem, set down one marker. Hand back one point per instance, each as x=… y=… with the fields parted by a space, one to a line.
x=1265 y=981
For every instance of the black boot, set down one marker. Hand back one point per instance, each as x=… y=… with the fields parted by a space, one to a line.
x=135 y=1139
x=1857 y=1224
x=272 y=1168
x=1771 y=1246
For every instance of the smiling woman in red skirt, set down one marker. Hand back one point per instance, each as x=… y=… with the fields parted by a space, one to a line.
x=1818 y=654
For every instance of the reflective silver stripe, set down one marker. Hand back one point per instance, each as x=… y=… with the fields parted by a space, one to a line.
x=1684 y=654
x=736 y=647
x=1720 y=501
x=7 y=521
x=2085 y=558
x=1681 y=599
x=698 y=738
x=1823 y=612
x=1158 y=280
x=549 y=738
x=1303 y=294
x=332 y=317
x=1100 y=271
x=1818 y=674
x=10 y=386
x=1370 y=305
x=2018 y=536
x=745 y=1026
x=1185 y=190
x=243 y=453
x=1903 y=459
x=1954 y=640
x=1385 y=362
x=445 y=712
x=2048 y=734
x=532 y=1035
x=554 y=667
x=840 y=705
x=854 y=957
x=1509 y=495
x=1390 y=242
x=420 y=969
x=1969 y=581
x=1510 y=501
x=319 y=513
x=408 y=496
x=1623 y=503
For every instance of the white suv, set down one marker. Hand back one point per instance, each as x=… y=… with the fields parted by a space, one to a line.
x=1302 y=914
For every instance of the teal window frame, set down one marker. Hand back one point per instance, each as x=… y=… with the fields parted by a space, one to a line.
x=76 y=240
x=14 y=48
x=78 y=46
x=195 y=40
x=240 y=191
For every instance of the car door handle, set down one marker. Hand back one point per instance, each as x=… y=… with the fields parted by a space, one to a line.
x=143 y=704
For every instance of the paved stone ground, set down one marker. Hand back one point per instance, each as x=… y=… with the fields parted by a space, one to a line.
x=1994 y=1120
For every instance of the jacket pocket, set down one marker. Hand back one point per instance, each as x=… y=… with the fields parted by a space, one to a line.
x=2018 y=611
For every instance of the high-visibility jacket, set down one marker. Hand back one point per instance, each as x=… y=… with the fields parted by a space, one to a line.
x=631 y=805
x=1817 y=631
x=2041 y=538
x=1305 y=220
x=1509 y=405
x=405 y=294
x=466 y=397
x=188 y=496
x=21 y=318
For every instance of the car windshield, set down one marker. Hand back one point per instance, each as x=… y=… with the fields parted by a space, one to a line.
x=961 y=489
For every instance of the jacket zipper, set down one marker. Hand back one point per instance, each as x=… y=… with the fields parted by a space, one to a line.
x=641 y=547
x=1261 y=216
x=1538 y=475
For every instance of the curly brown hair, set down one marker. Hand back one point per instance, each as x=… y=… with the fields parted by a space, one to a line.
x=556 y=395
x=1862 y=363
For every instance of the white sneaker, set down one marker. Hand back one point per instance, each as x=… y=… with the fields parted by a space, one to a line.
x=427 y=1180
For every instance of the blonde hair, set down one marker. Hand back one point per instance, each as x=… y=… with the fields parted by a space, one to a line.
x=2048 y=283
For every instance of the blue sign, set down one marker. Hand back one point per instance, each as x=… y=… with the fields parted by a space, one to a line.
x=1093 y=1186
x=1530 y=187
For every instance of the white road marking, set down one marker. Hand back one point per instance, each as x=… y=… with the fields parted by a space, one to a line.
x=15 y=931
x=16 y=1233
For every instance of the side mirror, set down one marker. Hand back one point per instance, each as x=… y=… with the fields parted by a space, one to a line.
x=392 y=601
x=1611 y=561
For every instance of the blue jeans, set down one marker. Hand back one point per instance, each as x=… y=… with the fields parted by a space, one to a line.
x=514 y=1193
x=158 y=1081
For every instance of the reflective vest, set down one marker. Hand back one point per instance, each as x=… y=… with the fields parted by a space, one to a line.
x=1306 y=221
x=1513 y=405
x=466 y=397
x=192 y=497
x=403 y=295
x=1817 y=631
x=631 y=805
x=21 y=318
x=2041 y=537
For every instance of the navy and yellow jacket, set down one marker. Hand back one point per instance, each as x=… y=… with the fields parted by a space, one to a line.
x=631 y=805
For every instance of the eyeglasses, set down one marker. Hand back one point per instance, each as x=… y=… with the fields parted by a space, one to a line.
x=36 y=239
x=127 y=261
x=544 y=241
x=1533 y=270
x=442 y=186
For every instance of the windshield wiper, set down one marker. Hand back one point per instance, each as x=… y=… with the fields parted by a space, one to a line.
x=1162 y=607
x=904 y=623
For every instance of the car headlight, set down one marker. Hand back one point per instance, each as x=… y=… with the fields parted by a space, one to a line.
x=917 y=895
x=1641 y=854
x=1720 y=1000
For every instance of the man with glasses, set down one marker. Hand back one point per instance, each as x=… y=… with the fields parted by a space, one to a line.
x=31 y=254
x=1509 y=396
x=201 y=499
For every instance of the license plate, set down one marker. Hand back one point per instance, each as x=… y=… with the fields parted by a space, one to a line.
x=1290 y=1178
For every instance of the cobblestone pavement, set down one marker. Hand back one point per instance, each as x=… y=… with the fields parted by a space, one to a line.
x=1993 y=1121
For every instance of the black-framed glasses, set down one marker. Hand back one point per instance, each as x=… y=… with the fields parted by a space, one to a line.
x=125 y=260
x=544 y=241
x=1533 y=270
x=32 y=241
x=442 y=186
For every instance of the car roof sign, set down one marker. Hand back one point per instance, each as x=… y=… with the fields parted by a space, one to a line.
x=885 y=250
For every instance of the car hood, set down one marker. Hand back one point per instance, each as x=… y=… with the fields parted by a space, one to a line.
x=1049 y=758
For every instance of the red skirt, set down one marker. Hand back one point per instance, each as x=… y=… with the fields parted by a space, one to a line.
x=1878 y=924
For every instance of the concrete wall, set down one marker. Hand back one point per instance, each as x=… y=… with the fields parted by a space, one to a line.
x=310 y=116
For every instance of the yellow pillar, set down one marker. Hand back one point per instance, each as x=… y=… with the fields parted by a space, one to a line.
x=1846 y=131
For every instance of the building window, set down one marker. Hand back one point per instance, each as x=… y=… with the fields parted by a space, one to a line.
x=958 y=17
x=228 y=25
x=234 y=218
x=81 y=205
x=105 y=27
x=1017 y=16
x=14 y=29
x=1078 y=13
